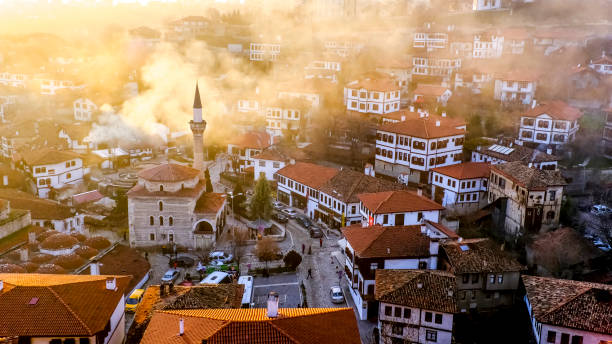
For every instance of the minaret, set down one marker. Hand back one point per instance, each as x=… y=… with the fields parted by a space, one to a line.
x=197 y=128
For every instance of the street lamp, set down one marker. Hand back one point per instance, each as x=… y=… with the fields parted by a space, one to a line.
x=231 y=195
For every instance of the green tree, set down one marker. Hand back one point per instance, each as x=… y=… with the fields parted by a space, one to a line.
x=209 y=186
x=261 y=203
x=292 y=259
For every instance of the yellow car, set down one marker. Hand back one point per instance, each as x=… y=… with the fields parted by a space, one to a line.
x=133 y=300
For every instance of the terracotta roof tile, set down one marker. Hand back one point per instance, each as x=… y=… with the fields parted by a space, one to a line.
x=386 y=242
x=87 y=197
x=445 y=230
x=423 y=128
x=603 y=60
x=65 y=305
x=297 y=325
x=466 y=170
x=252 y=139
x=169 y=173
x=381 y=85
x=397 y=202
x=311 y=175
x=518 y=75
x=478 y=255
x=209 y=203
x=140 y=191
x=425 y=289
x=519 y=153
x=347 y=184
x=430 y=90
x=528 y=177
x=573 y=304
x=556 y=109
x=39 y=208
x=47 y=156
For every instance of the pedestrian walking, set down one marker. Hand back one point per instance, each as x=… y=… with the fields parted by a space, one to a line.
x=147 y=256
x=320 y=242
x=309 y=249
x=303 y=248
x=309 y=273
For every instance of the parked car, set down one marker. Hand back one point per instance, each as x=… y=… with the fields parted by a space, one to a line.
x=315 y=232
x=280 y=218
x=133 y=300
x=289 y=212
x=336 y=295
x=217 y=277
x=602 y=245
x=303 y=220
x=278 y=205
x=221 y=256
x=600 y=209
x=182 y=261
x=170 y=275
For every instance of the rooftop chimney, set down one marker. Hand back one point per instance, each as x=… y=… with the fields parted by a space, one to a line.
x=530 y=165
x=420 y=285
x=111 y=283
x=1 y=285
x=420 y=191
x=403 y=118
x=94 y=268
x=272 y=311
x=549 y=151
x=443 y=114
x=533 y=104
x=411 y=108
x=437 y=123
x=181 y=327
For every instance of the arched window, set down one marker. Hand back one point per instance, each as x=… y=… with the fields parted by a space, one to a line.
x=161 y=206
x=161 y=220
x=151 y=221
x=161 y=188
x=171 y=221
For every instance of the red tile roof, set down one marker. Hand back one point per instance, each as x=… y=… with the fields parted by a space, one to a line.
x=477 y=256
x=87 y=197
x=381 y=85
x=311 y=175
x=47 y=156
x=169 y=173
x=39 y=208
x=293 y=325
x=603 y=60
x=466 y=170
x=529 y=177
x=387 y=242
x=518 y=75
x=397 y=202
x=252 y=139
x=347 y=184
x=572 y=304
x=209 y=203
x=430 y=90
x=445 y=230
x=425 y=128
x=57 y=305
x=424 y=289
x=140 y=191
x=556 y=109
x=515 y=33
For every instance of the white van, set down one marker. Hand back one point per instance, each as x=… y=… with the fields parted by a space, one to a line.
x=217 y=277
x=247 y=297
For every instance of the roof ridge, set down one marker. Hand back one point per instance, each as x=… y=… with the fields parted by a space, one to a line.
x=271 y=323
x=569 y=299
x=383 y=201
x=70 y=309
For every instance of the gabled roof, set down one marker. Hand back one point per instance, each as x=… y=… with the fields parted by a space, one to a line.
x=311 y=175
x=556 y=109
x=518 y=75
x=381 y=85
x=425 y=289
x=387 y=242
x=573 y=304
x=425 y=128
x=397 y=202
x=293 y=325
x=40 y=209
x=445 y=230
x=252 y=139
x=169 y=173
x=43 y=305
x=604 y=59
x=517 y=153
x=47 y=156
x=87 y=197
x=529 y=177
x=466 y=170
x=477 y=256
x=430 y=90
x=209 y=203
x=277 y=153
x=347 y=184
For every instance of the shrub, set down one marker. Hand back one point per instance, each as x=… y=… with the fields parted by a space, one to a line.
x=11 y=268
x=98 y=242
x=69 y=261
x=292 y=259
x=86 y=252
x=50 y=269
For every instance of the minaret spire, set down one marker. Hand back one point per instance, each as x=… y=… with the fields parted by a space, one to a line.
x=197 y=104
x=197 y=128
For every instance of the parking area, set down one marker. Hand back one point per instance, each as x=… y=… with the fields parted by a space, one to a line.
x=286 y=285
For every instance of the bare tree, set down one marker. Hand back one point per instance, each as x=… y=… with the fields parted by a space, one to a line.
x=238 y=240
x=266 y=250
